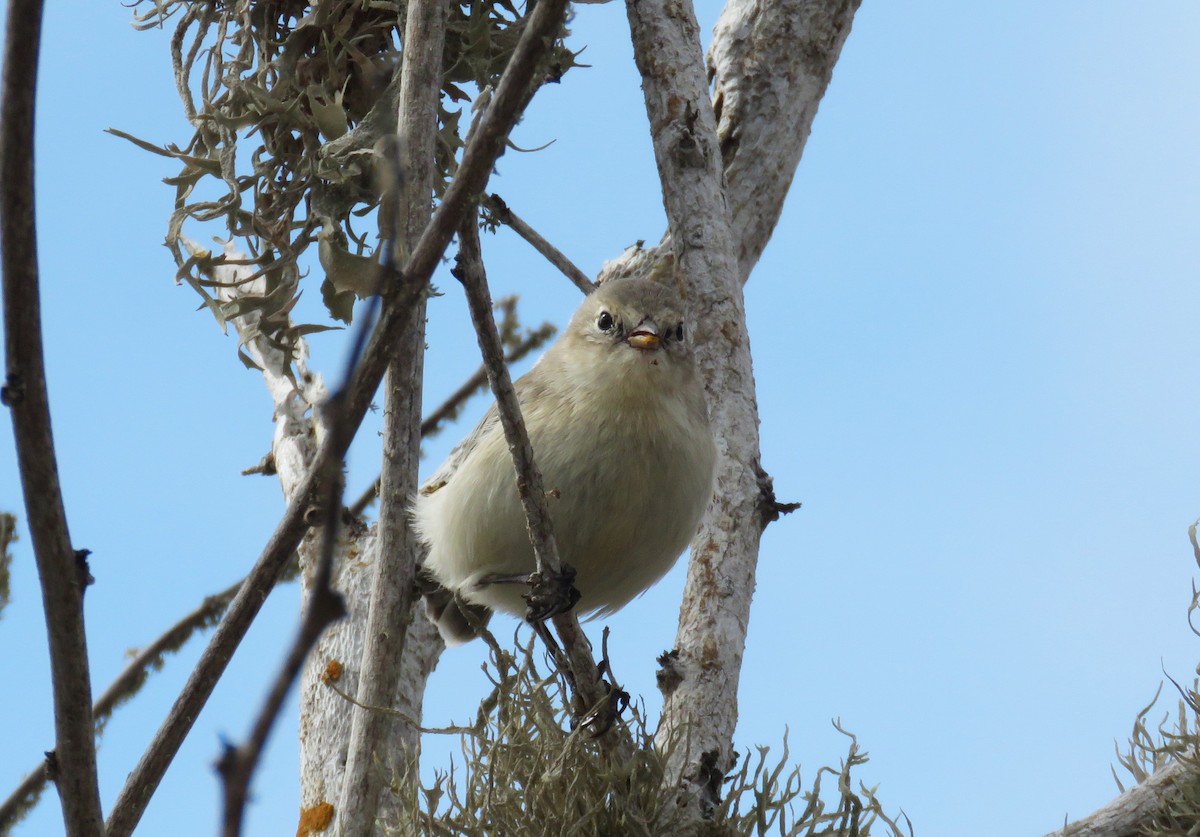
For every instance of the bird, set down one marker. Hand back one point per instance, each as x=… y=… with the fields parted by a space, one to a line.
x=618 y=422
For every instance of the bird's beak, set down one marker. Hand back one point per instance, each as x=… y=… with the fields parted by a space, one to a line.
x=645 y=337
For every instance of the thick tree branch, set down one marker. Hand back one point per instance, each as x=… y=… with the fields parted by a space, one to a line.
x=700 y=709
x=770 y=63
x=1132 y=812
x=61 y=572
x=478 y=159
x=377 y=756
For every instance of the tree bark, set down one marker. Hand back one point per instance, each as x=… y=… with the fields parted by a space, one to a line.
x=766 y=92
x=384 y=750
x=700 y=708
x=1133 y=811
x=770 y=64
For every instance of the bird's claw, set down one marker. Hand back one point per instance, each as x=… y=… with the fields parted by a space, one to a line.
x=550 y=594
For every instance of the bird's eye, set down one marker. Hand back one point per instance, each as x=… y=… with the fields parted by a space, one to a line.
x=679 y=332
x=605 y=321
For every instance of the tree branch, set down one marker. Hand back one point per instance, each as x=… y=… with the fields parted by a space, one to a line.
x=770 y=64
x=449 y=408
x=143 y=781
x=325 y=606
x=555 y=256
x=474 y=170
x=61 y=571
x=376 y=756
x=123 y=687
x=700 y=709
x=1130 y=813
x=590 y=689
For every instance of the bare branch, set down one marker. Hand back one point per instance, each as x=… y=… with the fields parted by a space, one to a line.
x=478 y=159
x=376 y=754
x=555 y=256
x=590 y=688
x=470 y=271
x=1130 y=813
x=123 y=687
x=144 y=779
x=700 y=708
x=62 y=574
x=770 y=64
x=132 y=677
x=24 y=797
x=325 y=606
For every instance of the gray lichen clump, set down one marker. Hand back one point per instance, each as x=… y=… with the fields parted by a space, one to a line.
x=524 y=771
x=293 y=107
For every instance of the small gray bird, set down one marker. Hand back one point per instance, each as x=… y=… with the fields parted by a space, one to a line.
x=616 y=415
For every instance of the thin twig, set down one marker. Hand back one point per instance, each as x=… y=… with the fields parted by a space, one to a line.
x=449 y=408
x=479 y=157
x=470 y=271
x=376 y=753
x=62 y=574
x=392 y=712
x=555 y=256
x=125 y=686
x=590 y=688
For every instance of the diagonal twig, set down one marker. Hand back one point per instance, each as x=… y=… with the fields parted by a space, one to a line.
x=123 y=687
x=325 y=606
x=474 y=170
x=61 y=571
x=555 y=256
x=591 y=691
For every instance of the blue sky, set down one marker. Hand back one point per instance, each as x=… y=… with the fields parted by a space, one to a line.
x=976 y=352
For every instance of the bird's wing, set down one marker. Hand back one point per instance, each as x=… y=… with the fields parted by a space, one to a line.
x=527 y=385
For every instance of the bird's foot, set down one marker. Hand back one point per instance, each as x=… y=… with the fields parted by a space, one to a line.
x=550 y=594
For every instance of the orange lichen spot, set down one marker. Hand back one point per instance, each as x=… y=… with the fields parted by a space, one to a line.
x=314 y=819
x=333 y=671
